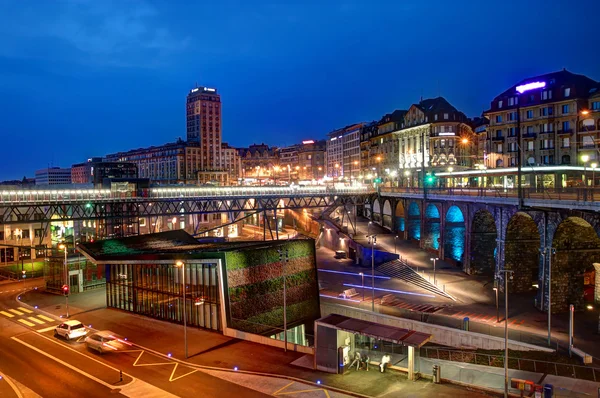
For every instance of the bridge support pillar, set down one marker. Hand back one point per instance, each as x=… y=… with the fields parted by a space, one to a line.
x=441 y=239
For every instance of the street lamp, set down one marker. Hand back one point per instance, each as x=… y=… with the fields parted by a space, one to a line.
x=506 y=276
x=362 y=275
x=584 y=159
x=181 y=264
x=373 y=239
x=450 y=170
x=63 y=246
x=594 y=165
x=434 y=260
x=395 y=240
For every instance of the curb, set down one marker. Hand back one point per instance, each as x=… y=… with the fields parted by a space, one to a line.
x=193 y=365
x=11 y=385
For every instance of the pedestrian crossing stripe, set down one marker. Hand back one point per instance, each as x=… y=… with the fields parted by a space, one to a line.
x=16 y=312
x=46 y=318
x=24 y=322
x=32 y=318
x=25 y=310
x=6 y=314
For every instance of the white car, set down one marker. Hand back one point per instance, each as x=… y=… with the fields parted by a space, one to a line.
x=70 y=330
x=106 y=341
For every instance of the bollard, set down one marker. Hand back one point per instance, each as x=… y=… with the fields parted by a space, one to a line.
x=466 y=324
x=120 y=375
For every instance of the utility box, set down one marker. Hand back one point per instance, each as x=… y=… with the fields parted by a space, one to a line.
x=437 y=374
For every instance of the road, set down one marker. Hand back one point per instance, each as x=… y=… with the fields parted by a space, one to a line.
x=32 y=356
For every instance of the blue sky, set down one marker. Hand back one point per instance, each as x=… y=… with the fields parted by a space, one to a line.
x=83 y=78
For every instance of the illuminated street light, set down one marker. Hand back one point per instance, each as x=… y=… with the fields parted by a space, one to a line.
x=63 y=246
x=181 y=264
x=584 y=159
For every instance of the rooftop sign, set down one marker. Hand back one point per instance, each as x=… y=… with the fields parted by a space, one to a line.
x=308 y=142
x=530 y=86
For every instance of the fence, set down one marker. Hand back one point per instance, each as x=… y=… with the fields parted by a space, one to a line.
x=16 y=276
x=522 y=364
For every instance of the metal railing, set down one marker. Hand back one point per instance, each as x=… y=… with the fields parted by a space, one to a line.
x=99 y=195
x=524 y=364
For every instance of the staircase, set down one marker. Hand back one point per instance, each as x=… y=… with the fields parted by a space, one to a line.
x=401 y=270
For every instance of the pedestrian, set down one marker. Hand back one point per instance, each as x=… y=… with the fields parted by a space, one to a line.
x=384 y=361
x=356 y=360
x=367 y=360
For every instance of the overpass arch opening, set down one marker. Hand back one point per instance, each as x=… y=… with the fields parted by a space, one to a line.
x=377 y=211
x=400 y=215
x=431 y=236
x=521 y=252
x=573 y=277
x=387 y=214
x=454 y=235
x=414 y=221
x=483 y=243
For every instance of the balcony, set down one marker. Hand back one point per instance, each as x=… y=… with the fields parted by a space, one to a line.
x=498 y=139
x=547 y=132
x=564 y=132
x=529 y=135
x=587 y=129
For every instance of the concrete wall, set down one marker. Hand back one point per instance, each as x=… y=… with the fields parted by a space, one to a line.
x=441 y=334
x=255 y=338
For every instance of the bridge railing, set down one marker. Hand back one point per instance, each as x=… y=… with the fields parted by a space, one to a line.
x=579 y=194
x=92 y=195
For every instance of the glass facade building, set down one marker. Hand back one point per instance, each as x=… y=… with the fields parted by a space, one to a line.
x=156 y=290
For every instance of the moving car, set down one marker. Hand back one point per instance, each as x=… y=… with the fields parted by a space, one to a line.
x=70 y=330
x=340 y=254
x=106 y=341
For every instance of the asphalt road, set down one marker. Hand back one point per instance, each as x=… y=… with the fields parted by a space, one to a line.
x=54 y=367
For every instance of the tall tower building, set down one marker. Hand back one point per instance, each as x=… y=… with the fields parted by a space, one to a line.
x=203 y=111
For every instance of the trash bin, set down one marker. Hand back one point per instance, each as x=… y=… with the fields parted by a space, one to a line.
x=437 y=374
x=466 y=323
x=548 y=391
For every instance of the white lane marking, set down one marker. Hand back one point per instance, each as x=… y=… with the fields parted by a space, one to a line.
x=16 y=312
x=7 y=314
x=46 y=318
x=46 y=329
x=23 y=321
x=34 y=319
x=25 y=310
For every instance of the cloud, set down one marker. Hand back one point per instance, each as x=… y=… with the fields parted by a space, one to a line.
x=106 y=32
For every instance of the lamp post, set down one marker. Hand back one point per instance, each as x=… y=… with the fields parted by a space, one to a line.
x=362 y=275
x=395 y=240
x=594 y=165
x=496 y=291
x=373 y=239
x=181 y=264
x=434 y=260
x=506 y=276
x=551 y=251
x=450 y=170
x=283 y=259
x=63 y=246
x=584 y=159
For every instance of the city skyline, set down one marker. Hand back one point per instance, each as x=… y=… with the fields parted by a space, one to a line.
x=112 y=76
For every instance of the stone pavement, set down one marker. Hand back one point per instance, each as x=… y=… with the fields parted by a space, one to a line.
x=222 y=354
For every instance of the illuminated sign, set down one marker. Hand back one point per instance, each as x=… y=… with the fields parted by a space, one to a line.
x=446 y=134
x=334 y=138
x=194 y=90
x=530 y=86
x=308 y=142
x=212 y=90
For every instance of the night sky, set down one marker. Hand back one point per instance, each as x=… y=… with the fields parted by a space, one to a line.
x=85 y=78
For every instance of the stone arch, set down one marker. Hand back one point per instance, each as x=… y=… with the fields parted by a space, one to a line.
x=483 y=243
x=414 y=221
x=454 y=234
x=577 y=248
x=521 y=252
x=376 y=211
x=431 y=230
x=400 y=216
x=387 y=214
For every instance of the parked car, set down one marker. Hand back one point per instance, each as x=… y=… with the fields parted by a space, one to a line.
x=340 y=254
x=70 y=330
x=106 y=341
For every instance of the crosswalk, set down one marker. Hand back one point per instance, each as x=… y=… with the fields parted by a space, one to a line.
x=27 y=317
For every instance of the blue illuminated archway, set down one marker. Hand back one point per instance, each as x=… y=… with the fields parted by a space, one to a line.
x=414 y=221
x=454 y=235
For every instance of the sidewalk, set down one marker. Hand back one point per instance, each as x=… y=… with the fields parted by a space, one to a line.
x=476 y=298
x=212 y=349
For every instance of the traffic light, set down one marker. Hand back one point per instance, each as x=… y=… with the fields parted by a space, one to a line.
x=378 y=180
x=65 y=290
x=430 y=179
x=88 y=205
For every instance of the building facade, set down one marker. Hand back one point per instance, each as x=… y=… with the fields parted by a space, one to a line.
x=95 y=170
x=550 y=117
x=203 y=115
x=335 y=153
x=53 y=176
x=258 y=161
x=368 y=131
x=311 y=160
x=383 y=147
x=351 y=151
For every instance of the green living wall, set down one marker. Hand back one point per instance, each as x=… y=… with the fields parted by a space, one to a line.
x=255 y=286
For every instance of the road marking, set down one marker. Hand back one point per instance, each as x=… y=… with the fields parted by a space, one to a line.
x=11 y=385
x=23 y=321
x=32 y=318
x=6 y=314
x=279 y=392
x=16 y=312
x=283 y=388
x=46 y=318
x=25 y=310
x=179 y=377
x=46 y=329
